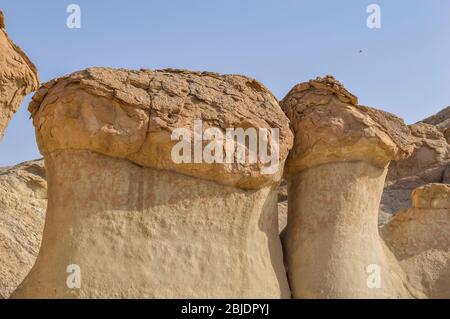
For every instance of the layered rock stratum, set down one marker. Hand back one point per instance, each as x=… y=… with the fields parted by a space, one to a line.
x=18 y=77
x=23 y=200
x=136 y=223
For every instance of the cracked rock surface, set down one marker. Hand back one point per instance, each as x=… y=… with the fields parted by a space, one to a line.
x=18 y=77
x=337 y=129
x=131 y=115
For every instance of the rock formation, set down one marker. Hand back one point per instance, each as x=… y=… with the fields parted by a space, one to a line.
x=428 y=163
x=136 y=223
x=441 y=119
x=22 y=209
x=18 y=77
x=336 y=172
x=420 y=239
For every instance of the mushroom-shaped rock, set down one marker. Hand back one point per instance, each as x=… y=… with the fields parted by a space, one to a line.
x=420 y=239
x=336 y=173
x=18 y=77
x=132 y=219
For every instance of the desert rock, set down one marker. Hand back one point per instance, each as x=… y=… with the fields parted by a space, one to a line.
x=23 y=200
x=336 y=173
x=441 y=119
x=18 y=77
x=427 y=164
x=420 y=238
x=134 y=222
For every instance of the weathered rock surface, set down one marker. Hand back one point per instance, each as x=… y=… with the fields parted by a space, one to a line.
x=139 y=110
x=23 y=200
x=282 y=205
x=18 y=77
x=441 y=119
x=357 y=133
x=137 y=224
x=420 y=239
x=428 y=164
x=336 y=173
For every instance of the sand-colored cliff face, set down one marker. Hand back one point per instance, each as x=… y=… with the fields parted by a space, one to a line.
x=136 y=224
x=420 y=238
x=23 y=199
x=336 y=174
x=18 y=77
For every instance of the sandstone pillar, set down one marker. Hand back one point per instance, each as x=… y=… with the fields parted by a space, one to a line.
x=336 y=174
x=18 y=77
x=136 y=223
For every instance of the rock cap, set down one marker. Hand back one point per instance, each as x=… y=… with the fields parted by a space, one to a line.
x=132 y=114
x=32 y=81
x=18 y=76
x=329 y=126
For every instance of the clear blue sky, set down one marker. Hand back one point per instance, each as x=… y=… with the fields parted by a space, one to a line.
x=404 y=67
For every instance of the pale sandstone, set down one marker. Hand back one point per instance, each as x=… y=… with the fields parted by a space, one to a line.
x=132 y=114
x=336 y=173
x=18 y=77
x=441 y=119
x=136 y=224
x=420 y=239
x=23 y=200
x=428 y=164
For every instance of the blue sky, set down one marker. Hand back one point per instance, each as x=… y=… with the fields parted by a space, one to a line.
x=403 y=67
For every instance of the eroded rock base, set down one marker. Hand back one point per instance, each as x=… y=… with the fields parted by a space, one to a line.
x=143 y=233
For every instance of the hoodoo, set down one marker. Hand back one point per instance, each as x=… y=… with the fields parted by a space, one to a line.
x=420 y=239
x=336 y=172
x=127 y=219
x=18 y=77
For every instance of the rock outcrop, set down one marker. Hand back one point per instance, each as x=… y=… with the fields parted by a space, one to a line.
x=427 y=164
x=420 y=239
x=136 y=223
x=336 y=172
x=441 y=119
x=18 y=77
x=23 y=200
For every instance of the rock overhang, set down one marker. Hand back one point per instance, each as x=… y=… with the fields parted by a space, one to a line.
x=329 y=126
x=132 y=114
